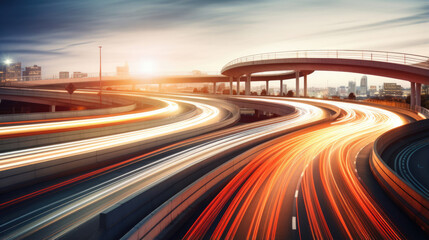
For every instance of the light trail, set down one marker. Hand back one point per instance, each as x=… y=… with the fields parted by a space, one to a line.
x=14 y=159
x=85 y=122
x=68 y=213
x=404 y=159
x=260 y=201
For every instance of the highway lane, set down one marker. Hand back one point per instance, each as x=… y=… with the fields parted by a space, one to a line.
x=54 y=217
x=14 y=159
x=411 y=163
x=165 y=108
x=26 y=128
x=314 y=168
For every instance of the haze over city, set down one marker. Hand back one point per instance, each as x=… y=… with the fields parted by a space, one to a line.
x=157 y=37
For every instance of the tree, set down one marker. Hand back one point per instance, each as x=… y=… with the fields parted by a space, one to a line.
x=352 y=96
x=195 y=90
x=205 y=90
x=290 y=93
x=264 y=92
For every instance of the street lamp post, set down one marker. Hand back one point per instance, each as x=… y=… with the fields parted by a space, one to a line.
x=100 y=77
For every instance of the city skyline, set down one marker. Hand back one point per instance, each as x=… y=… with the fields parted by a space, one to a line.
x=178 y=37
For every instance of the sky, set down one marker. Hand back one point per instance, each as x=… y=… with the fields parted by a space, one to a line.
x=176 y=37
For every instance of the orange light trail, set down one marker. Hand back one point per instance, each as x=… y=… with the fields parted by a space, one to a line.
x=86 y=122
x=258 y=203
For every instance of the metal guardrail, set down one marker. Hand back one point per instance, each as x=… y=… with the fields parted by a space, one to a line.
x=381 y=56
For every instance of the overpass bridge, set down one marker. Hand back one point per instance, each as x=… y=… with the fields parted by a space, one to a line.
x=408 y=67
x=160 y=80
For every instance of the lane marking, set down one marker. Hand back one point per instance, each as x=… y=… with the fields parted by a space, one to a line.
x=293 y=223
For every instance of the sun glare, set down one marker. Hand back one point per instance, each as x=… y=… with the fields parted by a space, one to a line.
x=147 y=67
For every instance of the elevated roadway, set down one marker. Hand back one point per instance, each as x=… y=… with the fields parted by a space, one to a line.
x=99 y=204
x=309 y=184
x=160 y=80
x=408 y=67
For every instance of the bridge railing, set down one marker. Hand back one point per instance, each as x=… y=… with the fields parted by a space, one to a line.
x=380 y=56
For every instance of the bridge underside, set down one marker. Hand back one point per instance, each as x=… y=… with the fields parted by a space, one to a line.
x=414 y=74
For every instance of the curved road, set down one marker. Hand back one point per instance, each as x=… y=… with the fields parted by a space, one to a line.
x=313 y=171
x=62 y=207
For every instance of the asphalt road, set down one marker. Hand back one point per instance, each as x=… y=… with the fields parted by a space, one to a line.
x=308 y=185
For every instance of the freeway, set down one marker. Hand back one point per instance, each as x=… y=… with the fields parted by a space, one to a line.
x=26 y=128
x=63 y=208
x=35 y=163
x=306 y=185
x=411 y=164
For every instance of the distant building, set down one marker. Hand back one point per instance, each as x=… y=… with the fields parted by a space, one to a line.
x=32 y=73
x=13 y=72
x=363 y=86
x=391 y=89
x=352 y=87
x=80 y=75
x=123 y=70
x=332 y=91
x=342 y=91
x=64 y=75
x=372 y=90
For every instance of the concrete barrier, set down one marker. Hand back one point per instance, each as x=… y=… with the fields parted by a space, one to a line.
x=403 y=193
x=158 y=220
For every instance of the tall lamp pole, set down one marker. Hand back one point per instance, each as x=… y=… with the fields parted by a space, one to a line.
x=100 y=77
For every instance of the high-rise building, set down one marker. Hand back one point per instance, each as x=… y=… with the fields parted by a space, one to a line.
x=364 y=85
x=352 y=87
x=13 y=72
x=123 y=70
x=64 y=75
x=80 y=75
x=32 y=73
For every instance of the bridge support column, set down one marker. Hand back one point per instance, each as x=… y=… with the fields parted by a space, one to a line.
x=297 y=84
x=413 y=95
x=230 y=85
x=214 y=88
x=52 y=108
x=418 y=94
x=267 y=85
x=238 y=85
x=305 y=86
x=247 y=86
x=281 y=88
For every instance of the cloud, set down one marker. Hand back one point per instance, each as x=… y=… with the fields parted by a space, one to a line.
x=73 y=45
x=421 y=17
x=31 y=52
